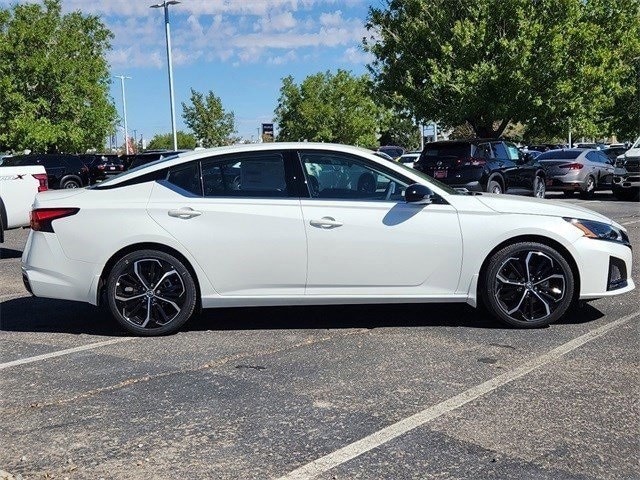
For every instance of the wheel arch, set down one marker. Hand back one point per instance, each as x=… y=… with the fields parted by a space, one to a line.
x=147 y=246
x=500 y=179
x=4 y=221
x=532 y=238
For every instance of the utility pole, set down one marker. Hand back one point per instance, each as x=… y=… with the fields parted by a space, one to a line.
x=124 y=112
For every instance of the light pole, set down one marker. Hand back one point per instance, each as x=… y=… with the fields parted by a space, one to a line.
x=124 y=112
x=165 y=4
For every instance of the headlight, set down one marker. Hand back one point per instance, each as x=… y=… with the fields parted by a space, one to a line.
x=600 y=231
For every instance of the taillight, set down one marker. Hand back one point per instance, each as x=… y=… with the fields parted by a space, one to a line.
x=101 y=166
x=572 y=166
x=43 y=181
x=84 y=169
x=41 y=218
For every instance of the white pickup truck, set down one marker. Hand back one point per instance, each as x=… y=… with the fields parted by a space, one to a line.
x=18 y=189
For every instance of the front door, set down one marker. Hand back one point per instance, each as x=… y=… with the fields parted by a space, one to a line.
x=364 y=239
x=239 y=218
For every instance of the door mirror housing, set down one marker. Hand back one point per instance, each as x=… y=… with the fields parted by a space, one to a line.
x=418 y=194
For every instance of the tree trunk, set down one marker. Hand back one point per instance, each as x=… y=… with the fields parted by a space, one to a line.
x=483 y=130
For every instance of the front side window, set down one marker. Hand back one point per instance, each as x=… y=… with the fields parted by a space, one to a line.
x=513 y=152
x=499 y=151
x=338 y=176
x=259 y=174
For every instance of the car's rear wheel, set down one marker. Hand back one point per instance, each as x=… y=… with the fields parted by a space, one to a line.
x=151 y=293
x=494 y=186
x=528 y=285
x=71 y=183
x=539 y=187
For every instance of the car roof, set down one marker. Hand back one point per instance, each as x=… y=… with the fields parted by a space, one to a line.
x=248 y=148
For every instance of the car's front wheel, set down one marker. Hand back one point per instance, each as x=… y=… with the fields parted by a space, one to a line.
x=151 y=293
x=528 y=285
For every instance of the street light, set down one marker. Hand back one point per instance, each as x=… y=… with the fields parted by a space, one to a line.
x=124 y=112
x=165 y=4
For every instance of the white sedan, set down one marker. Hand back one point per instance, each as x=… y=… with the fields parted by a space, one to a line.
x=310 y=224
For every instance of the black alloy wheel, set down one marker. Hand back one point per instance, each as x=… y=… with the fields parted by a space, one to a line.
x=151 y=293
x=528 y=285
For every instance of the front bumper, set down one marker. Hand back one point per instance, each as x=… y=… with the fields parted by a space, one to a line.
x=602 y=265
x=623 y=179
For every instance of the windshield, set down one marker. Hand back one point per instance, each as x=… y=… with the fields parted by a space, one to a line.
x=637 y=143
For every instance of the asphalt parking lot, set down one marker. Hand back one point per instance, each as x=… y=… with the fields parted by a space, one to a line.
x=358 y=392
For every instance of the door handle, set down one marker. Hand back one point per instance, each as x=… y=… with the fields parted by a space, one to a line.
x=326 y=222
x=185 y=213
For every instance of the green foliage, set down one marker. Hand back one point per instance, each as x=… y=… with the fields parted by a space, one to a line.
x=492 y=62
x=398 y=129
x=54 y=79
x=210 y=122
x=186 y=141
x=328 y=108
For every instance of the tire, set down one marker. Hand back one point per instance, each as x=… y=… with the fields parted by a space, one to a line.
x=589 y=189
x=142 y=305
x=539 y=187
x=628 y=195
x=517 y=296
x=71 y=183
x=494 y=186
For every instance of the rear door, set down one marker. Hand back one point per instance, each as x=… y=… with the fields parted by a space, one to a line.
x=239 y=216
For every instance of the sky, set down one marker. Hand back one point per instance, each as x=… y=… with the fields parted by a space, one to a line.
x=239 y=49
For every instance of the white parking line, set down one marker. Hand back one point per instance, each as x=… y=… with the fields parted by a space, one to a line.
x=60 y=353
x=630 y=223
x=357 y=448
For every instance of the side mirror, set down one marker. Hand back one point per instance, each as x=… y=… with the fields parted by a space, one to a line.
x=418 y=194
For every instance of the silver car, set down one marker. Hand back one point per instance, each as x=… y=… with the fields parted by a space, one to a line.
x=577 y=170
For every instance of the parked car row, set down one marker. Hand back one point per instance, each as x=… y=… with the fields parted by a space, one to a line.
x=498 y=166
x=66 y=171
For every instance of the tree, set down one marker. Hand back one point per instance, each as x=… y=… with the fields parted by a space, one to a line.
x=328 y=107
x=492 y=62
x=186 y=141
x=54 y=79
x=399 y=129
x=210 y=122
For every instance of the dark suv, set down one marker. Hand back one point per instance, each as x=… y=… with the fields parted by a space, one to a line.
x=482 y=165
x=102 y=166
x=63 y=170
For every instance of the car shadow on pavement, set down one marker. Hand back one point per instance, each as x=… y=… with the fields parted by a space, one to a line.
x=30 y=314
x=10 y=253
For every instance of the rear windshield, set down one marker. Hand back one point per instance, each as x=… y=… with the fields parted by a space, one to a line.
x=560 y=155
x=459 y=150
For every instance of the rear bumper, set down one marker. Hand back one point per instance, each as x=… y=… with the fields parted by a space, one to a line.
x=47 y=272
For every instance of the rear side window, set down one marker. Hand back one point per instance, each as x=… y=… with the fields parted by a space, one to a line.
x=245 y=175
x=186 y=177
x=559 y=155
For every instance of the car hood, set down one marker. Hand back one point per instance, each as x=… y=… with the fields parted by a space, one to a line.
x=537 y=206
